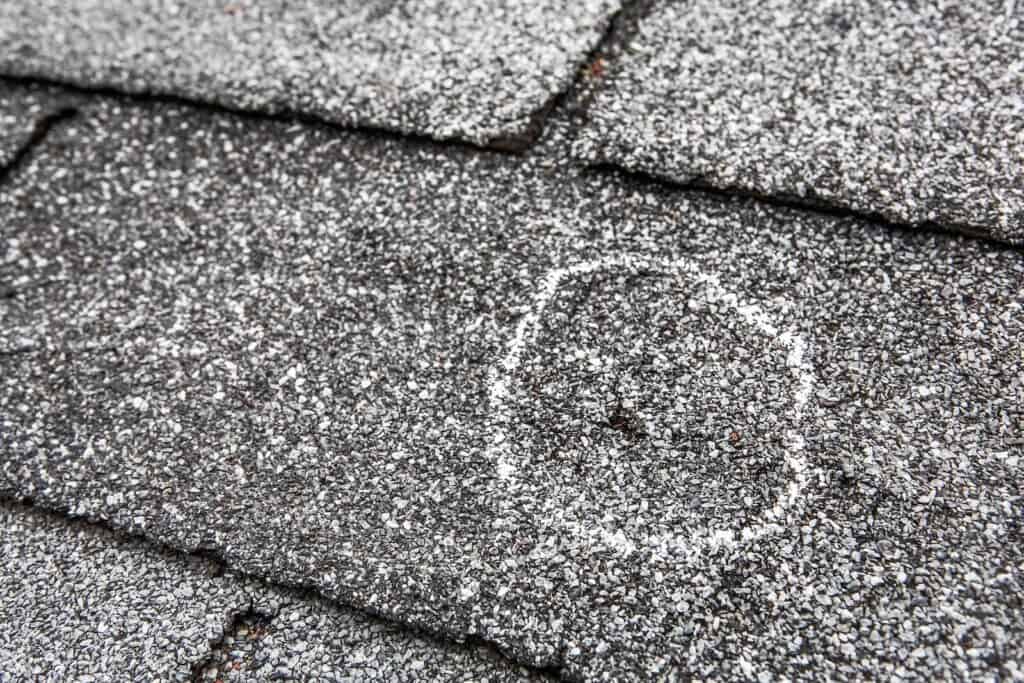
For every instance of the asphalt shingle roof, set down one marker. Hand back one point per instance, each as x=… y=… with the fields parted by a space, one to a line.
x=80 y=602
x=598 y=424
x=612 y=428
x=482 y=71
x=910 y=111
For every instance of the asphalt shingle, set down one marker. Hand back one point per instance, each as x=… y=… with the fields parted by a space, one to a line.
x=80 y=603
x=911 y=111
x=611 y=428
x=291 y=635
x=482 y=71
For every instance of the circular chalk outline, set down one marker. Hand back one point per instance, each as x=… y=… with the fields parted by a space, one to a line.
x=667 y=545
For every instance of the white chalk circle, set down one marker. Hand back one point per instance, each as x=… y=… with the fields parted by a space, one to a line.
x=677 y=546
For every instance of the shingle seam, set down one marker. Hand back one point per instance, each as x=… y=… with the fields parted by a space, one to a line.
x=616 y=31
x=40 y=130
x=283 y=116
x=220 y=565
x=616 y=39
x=574 y=98
x=807 y=204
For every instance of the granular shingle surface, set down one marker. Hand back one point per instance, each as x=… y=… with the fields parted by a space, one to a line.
x=912 y=111
x=289 y=635
x=81 y=603
x=414 y=377
x=481 y=71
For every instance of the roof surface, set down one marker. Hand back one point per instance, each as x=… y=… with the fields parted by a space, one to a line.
x=81 y=602
x=480 y=71
x=607 y=426
x=911 y=111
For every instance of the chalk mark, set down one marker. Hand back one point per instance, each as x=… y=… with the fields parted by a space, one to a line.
x=676 y=546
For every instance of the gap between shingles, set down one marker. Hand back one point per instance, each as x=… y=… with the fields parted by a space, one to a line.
x=219 y=567
x=42 y=128
x=280 y=116
x=617 y=28
x=616 y=31
x=807 y=205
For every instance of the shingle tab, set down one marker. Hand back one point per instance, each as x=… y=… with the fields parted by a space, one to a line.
x=913 y=111
x=476 y=70
x=82 y=603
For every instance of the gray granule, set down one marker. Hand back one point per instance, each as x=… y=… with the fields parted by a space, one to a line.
x=479 y=70
x=611 y=428
x=913 y=111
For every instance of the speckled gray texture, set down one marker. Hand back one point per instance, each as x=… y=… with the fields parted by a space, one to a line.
x=81 y=603
x=417 y=379
x=290 y=635
x=913 y=111
x=22 y=109
x=477 y=70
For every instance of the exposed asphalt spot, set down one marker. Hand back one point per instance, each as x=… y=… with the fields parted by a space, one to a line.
x=227 y=655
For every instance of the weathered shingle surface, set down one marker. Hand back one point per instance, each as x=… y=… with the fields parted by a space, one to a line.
x=293 y=635
x=480 y=71
x=611 y=428
x=80 y=603
x=910 y=111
